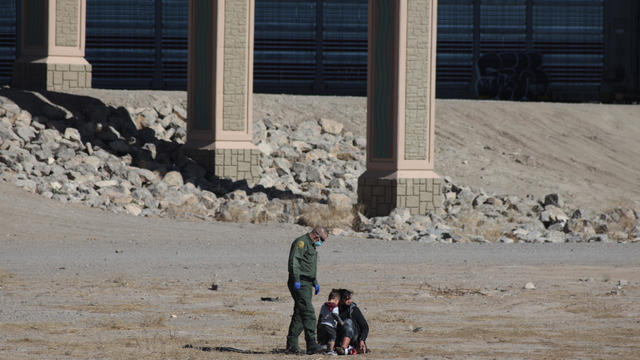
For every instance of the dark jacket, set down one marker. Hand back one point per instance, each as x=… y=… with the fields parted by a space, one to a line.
x=353 y=312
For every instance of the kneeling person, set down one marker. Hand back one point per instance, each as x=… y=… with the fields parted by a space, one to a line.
x=328 y=321
x=355 y=330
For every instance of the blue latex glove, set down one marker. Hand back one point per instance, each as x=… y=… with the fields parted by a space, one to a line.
x=296 y=285
x=317 y=289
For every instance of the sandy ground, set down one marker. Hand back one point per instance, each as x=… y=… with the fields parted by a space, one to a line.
x=80 y=283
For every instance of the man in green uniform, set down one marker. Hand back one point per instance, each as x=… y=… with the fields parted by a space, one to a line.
x=302 y=282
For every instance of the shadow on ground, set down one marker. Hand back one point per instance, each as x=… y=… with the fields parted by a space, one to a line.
x=232 y=350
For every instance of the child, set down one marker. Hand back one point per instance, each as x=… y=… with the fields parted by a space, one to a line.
x=328 y=321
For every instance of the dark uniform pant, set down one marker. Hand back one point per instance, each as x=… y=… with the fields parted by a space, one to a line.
x=304 y=315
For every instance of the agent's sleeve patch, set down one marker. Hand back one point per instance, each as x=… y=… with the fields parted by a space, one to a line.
x=300 y=244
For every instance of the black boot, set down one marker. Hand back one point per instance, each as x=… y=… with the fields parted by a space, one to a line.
x=315 y=348
x=293 y=351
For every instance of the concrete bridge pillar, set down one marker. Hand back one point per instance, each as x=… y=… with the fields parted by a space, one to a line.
x=51 y=48
x=400 y=109
x=220 y=88
x=400 y=105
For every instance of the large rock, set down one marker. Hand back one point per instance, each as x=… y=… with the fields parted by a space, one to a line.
x=337 y=184
x=146 y=176
x=259 y=198
x=266 y=148
x=49 y=139
x=235 y=211
x=576 y=225
x=23 y=118
x=360 y=142
x=64 y=154
x=6 y=132
x=306 y=131
x=209 y=200
x=553 y=199
x=173 y=178
x=146 y=118
x=556 y=237
x=534 y=236
x=331 y=126
x=277 y=137
x=340 y=203
x=133 y=209
x=106 y=183
x=316 y=154
x=25 y=132
x=301 y=146
x=600 y=238
x=174 y=198
x=163 y=108
x=180 y=111
x=326 y=142
x=275 y=211
x=479 y=200
x=553 y=214
x=378 y=233
x=272 y=124
x=398 y=217
x=72 y=134
x=145 y=197
x=282 y=165
x=11 y=109
x=168 y=120
x=288 y=152
x=237 y=195
x=315 y=174
x=267 y=181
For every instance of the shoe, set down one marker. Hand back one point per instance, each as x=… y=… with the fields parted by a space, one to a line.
x=331 y=352
x=314 y=348
x=292 y=351
x=340 y=350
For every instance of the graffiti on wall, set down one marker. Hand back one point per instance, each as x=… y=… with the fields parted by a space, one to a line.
x=511 y=76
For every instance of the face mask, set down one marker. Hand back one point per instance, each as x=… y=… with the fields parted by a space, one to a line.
x=317 y=243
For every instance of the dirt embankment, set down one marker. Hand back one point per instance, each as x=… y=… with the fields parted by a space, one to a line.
x=588 y=153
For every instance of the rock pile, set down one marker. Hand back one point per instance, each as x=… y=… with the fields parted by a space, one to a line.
x=131 y=160
x=470 y=215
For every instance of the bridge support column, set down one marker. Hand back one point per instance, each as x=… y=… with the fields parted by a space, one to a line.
x=400 y=109
x=220 y=88
x=51 y=50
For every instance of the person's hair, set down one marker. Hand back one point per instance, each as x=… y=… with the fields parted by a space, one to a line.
x=334 y=294
x=320 y=232
x=345 y=294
